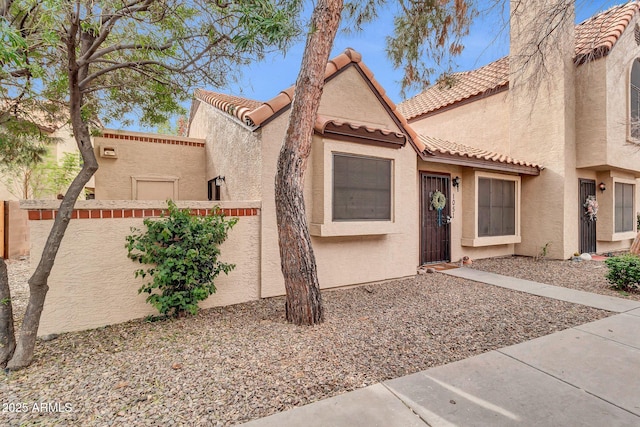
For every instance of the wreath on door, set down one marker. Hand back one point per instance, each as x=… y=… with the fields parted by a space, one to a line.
x=438 y=201
x=591 y=208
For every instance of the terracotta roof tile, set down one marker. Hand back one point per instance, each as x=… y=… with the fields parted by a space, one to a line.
x=464 y=85
x=255 y=114
x=597 y=35
x=595 y=38
x=233 y=105
x=336 y=126
x=436 y=145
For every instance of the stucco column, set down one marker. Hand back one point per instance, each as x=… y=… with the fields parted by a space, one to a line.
x=542 y=122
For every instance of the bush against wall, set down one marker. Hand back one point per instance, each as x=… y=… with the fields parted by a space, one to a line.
x=624 y=272
x=183 y=251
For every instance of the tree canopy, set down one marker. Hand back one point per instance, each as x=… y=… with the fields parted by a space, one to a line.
x=140 y=56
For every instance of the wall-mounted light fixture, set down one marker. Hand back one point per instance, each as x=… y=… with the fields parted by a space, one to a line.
x=602 y=187
x=217 y=183
x=456 y=182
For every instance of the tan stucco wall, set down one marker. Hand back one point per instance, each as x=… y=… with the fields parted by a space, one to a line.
x=542 y=130
x=17 y=230
x=150 y=160
x=348 y=96
x=620 y=154
x=352 y=259
x=603 y=108
x=591 y=114
x=232 y=151
x=92 y=283
x=483 y=123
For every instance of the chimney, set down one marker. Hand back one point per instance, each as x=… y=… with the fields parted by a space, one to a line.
x=542 y=121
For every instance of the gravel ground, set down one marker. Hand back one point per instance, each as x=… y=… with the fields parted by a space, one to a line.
x=234 y=364
x=582 y=275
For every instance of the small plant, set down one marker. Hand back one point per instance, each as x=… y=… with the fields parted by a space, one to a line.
x=638 y=221
x=183 y=250
x=544 y=251
x=624 y=272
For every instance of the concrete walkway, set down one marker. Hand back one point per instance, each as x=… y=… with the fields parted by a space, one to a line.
x=588 y=375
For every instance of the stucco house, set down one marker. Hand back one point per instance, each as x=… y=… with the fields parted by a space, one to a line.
x=579 y=120
x=369 y=183
x=482 y=167
x=486 y=166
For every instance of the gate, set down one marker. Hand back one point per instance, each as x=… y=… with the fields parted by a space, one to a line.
x=587 y=227
x=435 y=229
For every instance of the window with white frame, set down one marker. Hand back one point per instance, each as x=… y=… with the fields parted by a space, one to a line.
x=361 y=188
x=624 y=207
x=496 y=207
x=634 y=107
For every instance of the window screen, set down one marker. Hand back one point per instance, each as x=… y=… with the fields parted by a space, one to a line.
x=361 y=188
x=496 y=207
x=624 y=207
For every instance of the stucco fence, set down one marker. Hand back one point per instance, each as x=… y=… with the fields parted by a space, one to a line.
x=92 y=282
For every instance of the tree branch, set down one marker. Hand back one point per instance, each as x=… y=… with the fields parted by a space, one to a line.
x=108 y=23
x=132 y=46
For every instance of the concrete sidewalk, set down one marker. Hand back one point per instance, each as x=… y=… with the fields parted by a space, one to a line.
x=588 y=375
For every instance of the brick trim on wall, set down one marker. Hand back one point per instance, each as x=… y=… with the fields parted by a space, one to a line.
x=47 y=214
x=154 y=140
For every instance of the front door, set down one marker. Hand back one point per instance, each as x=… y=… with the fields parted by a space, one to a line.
x=435 y=209
x=587 y=225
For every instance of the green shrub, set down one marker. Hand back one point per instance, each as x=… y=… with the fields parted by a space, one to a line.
x=183 y=250
x=624 y=272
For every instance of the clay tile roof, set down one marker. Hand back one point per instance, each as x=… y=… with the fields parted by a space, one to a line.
x=436 y=145
x=233 y=105
x=595 y=38
x=464 y=85
x=255 y=114
x=327 y=125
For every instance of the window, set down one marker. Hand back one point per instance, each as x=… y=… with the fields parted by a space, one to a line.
x=361 y=188
x=624 y=203
x=634 y=110
x=496 y=207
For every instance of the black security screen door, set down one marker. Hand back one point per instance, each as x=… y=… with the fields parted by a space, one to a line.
x=435 y=233
x=587 y=226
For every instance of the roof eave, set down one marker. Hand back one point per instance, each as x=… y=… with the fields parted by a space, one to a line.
x=461 y=160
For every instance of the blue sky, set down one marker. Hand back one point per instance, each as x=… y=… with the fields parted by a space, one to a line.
x=486 y=42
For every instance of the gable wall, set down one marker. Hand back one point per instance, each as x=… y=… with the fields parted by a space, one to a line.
x=347 y=96
x=483 y=123
x=232 y=150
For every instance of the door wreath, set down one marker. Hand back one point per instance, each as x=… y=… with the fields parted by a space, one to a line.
x=438 y=201
x=591 y=208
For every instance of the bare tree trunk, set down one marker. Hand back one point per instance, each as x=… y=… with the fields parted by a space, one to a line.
x=38 y=287
x=7 y=335
x=304 y=301
x=635 y=247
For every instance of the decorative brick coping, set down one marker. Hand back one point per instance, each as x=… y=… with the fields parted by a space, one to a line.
x=107 y=135
x=46 y=214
